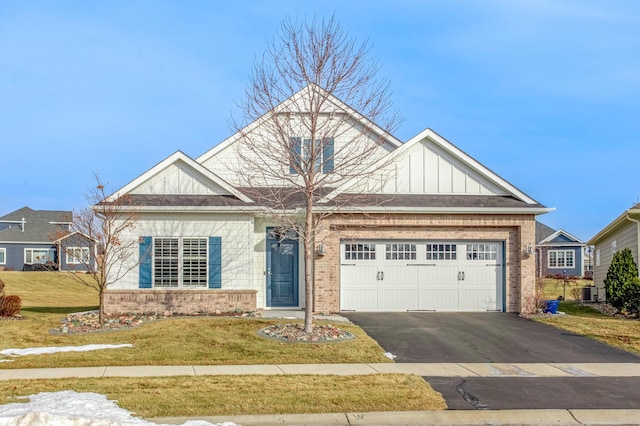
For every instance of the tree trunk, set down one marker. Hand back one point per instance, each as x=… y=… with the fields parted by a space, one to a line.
x=101 y=307
x=308 y=269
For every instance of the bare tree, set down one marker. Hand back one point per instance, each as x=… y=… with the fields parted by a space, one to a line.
x=313 y=98
x=104 y=224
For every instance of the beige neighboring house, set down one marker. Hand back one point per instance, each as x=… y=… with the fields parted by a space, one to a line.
x=445 y=233
x=623 y=232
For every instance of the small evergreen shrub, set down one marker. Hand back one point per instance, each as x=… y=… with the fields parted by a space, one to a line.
x=622 y=283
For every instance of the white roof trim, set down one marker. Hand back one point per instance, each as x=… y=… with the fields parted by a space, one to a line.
x=566 y=234
x=74 y=233
x=178 y=156
x=355 y=115
x=617 y=221
x=451 y=149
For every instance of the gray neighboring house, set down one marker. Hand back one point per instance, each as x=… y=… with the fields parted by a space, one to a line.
x=623 y=232
x=558 y=252
x=33 y=240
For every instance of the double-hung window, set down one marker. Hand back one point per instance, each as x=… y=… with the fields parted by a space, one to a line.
x=3 y=256
x=77 y=255
x=561 y=259
x=307 y=153
x=180 y=262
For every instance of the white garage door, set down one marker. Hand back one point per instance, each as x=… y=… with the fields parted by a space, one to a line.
x=421 y=275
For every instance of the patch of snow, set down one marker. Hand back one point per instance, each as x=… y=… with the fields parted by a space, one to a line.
x=390 y=355
x=54 y=349
x=70 y=408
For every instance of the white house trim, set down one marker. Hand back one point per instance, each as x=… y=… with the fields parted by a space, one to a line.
x=447 y=146
x=549 y=239
x=172 y=159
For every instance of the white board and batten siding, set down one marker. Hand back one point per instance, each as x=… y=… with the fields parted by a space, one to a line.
x=421 y=275
x=429 y=169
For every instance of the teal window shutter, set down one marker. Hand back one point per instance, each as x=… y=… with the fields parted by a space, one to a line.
x=145 y=275
x=295 y=155
x=215 y=262
x=327 y=155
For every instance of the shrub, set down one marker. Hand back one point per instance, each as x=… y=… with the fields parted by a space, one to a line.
x=622 y=283
x=10 y=305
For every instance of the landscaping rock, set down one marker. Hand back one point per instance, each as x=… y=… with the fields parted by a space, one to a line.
x=296 y=333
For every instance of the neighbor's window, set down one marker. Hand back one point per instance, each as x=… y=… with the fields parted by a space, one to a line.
x=77 y=255
x=614 y=247
x=362 y=251
x=180 y=262
x=442 y=251
x=3 y=256
x=38 y=256
x=598 y=257
x=561 y=259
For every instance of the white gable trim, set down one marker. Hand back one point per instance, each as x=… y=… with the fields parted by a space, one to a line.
x=172 y=159
x=449 y=148
x=72 y=234
x=284 y=107
x=550 y=238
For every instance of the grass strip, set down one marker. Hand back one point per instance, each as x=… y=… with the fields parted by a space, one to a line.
x=238 y=395
x=586 y=321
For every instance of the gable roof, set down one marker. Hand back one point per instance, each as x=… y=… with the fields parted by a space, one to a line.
x=284 y=107
x=631 y=214
x=52 y=216
x=549 y=236
x=182 y=159
x=40 y=226
x=434 y=138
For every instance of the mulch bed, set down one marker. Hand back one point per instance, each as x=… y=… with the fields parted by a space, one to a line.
x=87 y=322
x=296 y=333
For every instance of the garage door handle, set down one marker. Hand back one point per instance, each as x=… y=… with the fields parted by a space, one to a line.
x=378 y=276
x=462 y=276
x=382 y=272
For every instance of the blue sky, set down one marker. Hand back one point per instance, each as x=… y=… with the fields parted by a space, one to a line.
x=544 y=93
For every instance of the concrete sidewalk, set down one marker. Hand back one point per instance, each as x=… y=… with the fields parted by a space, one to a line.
x=449 y=417
x=426 y=370
x=456 y=417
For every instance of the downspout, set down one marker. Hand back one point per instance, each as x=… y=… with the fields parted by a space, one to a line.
x=637 y=222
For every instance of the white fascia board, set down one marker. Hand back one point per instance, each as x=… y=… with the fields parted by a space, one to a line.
x=451 y=149
x=178 y=155
x=561 y=232
x=474 y=164
x=282 y=107
x=27 y=242
x=611 y=226
x=457 y=210
x=74 y=233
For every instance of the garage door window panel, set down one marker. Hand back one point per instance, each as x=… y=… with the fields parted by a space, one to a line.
x=400 y=251
x=482 y=251
x=441 y=251
x=362 y=251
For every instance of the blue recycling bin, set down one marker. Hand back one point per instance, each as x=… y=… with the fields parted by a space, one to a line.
x=551 y=307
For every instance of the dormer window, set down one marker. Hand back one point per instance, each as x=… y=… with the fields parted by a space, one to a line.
x=304 y=151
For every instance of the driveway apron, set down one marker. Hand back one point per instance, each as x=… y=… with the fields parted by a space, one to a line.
x=428 y=337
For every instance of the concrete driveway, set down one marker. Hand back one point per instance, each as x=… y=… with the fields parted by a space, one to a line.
x=502 y=338
x=480 y=337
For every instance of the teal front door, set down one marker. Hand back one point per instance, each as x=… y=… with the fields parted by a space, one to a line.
x=282 y=272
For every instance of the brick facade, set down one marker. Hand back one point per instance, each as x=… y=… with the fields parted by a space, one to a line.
x=179 y=301
x=517 y=231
